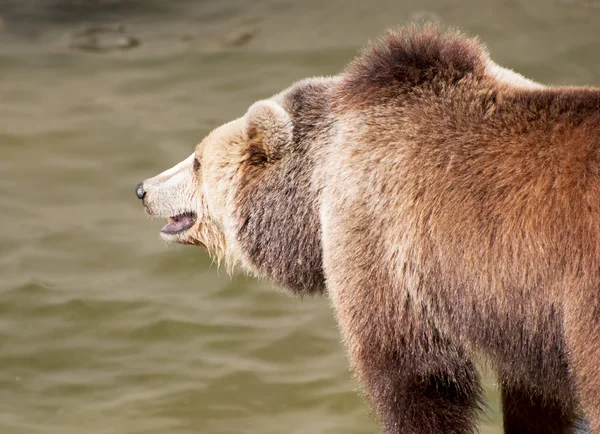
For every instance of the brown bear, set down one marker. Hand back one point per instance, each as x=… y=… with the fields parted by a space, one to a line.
x=448 y=207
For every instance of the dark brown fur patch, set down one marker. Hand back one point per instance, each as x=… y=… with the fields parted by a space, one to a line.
x=409 y=58
x=255 y=153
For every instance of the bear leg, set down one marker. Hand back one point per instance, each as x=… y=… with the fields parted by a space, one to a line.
x=582 y=333
x=413 y=393
x=417 y=381
x=525 y=413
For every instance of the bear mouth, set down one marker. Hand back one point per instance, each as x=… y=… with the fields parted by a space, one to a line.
x=179 y=223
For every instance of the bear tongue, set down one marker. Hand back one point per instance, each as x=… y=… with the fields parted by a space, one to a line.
x=177 y=224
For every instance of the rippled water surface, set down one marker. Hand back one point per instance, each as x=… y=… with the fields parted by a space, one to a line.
x=103 y=327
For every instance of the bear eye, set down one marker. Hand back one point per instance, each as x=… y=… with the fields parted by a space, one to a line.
x=196 y=164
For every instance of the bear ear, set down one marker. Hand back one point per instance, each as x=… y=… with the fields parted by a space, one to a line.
x=268 y=131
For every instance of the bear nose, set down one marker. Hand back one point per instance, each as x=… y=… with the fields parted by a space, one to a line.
x=139 y=191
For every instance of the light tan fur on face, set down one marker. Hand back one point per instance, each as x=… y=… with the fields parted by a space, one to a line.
x=173 y=191
x=210 y=193
x=220 y=153
x=206 y=192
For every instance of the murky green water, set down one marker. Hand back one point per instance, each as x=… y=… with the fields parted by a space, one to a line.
x=104 y=328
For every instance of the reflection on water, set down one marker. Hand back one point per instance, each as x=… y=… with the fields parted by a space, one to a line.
x=102 y=325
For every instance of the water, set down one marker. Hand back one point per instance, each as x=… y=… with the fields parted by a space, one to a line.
x=104 y=328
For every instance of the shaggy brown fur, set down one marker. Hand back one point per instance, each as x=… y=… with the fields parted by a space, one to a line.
x=482 y=213
x=448 y=208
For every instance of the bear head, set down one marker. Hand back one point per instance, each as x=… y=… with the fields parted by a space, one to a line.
x=248 y=192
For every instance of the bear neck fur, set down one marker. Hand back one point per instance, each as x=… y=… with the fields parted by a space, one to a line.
x=277 y=219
